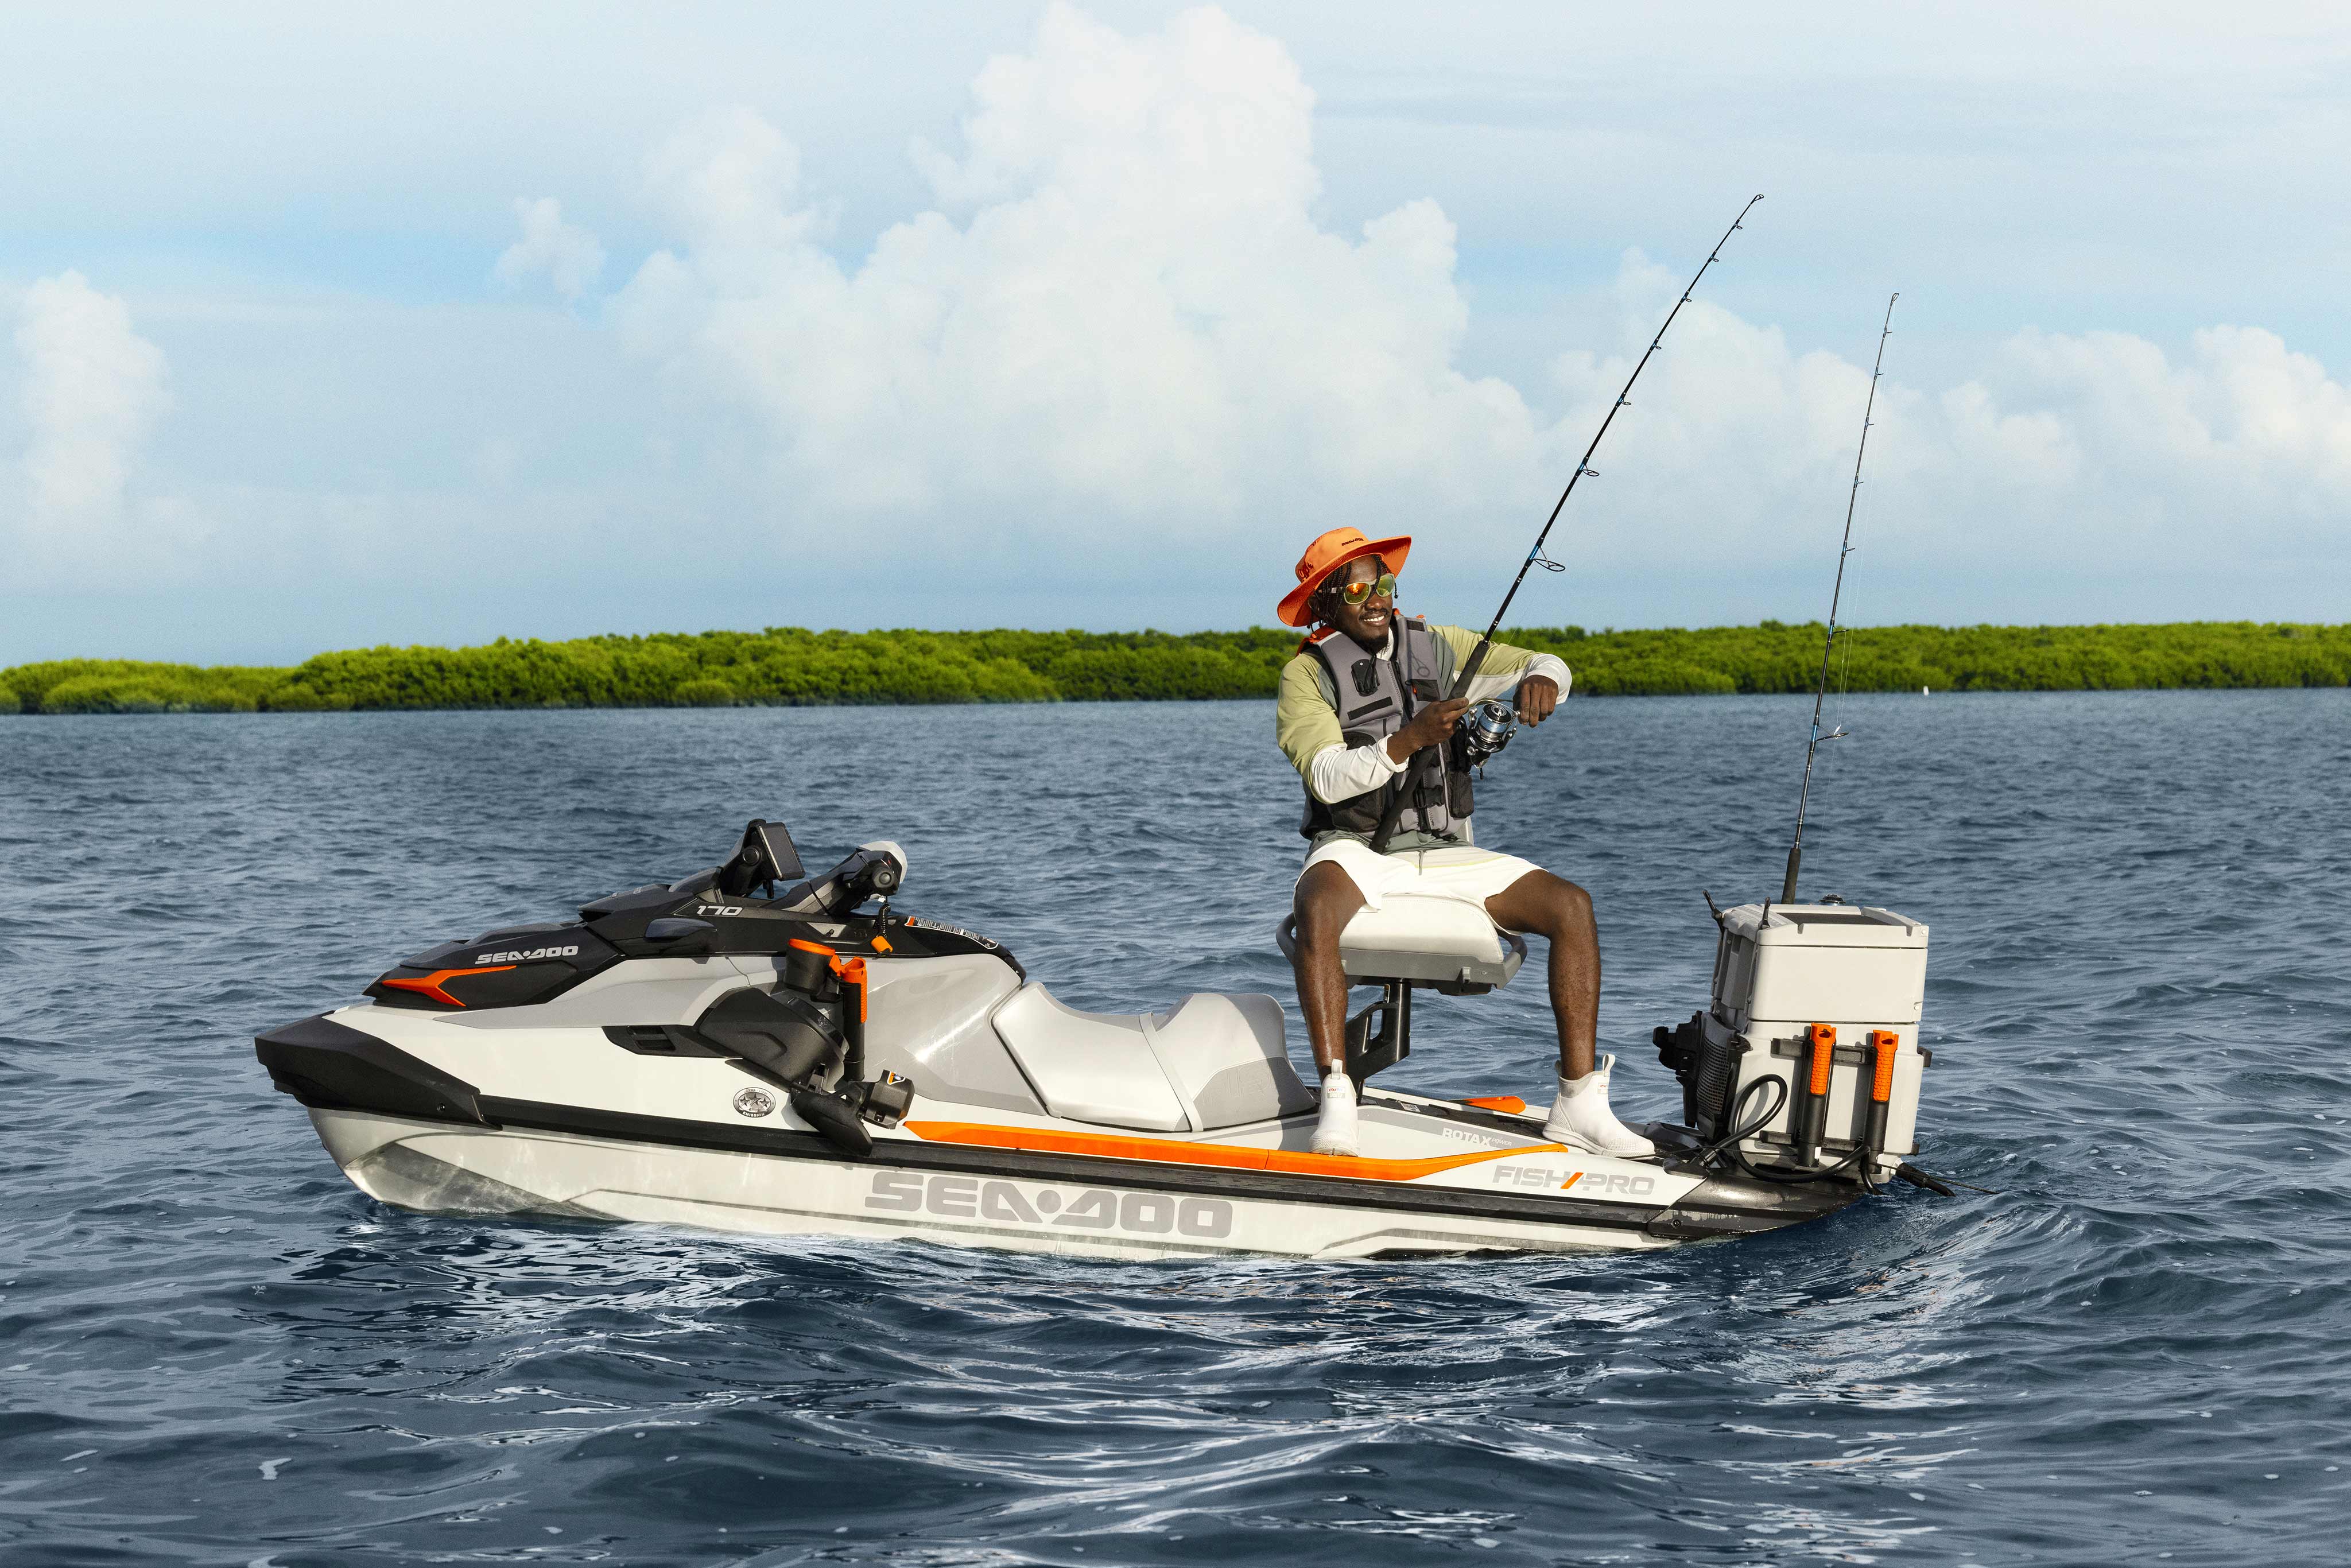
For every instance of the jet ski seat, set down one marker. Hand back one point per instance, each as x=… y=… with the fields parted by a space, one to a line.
x=1441 y=944
x=1213 y=1060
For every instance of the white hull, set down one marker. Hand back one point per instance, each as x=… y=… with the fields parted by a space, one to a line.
x=568 y=1076
x=440 y=1168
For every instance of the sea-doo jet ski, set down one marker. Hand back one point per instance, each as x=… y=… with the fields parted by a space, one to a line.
x=754 y=1050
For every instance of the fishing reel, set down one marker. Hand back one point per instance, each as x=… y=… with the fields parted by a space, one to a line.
x=1482 y=732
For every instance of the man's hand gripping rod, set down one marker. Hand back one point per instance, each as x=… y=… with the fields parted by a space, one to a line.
x=1535 y=557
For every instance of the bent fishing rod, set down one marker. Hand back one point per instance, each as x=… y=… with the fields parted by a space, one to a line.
x=1820 y=693
x=1535 y=557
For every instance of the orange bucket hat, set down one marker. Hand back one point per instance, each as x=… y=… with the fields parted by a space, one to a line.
x=1326 y=555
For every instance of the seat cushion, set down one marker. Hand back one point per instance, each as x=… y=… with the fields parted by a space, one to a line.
x=928 y=1018
x=1228 y=1057
x=1088 y=1067
x=1213 y=1060
x=1436 y=941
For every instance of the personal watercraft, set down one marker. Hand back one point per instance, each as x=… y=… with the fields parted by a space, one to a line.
x=752 y=1049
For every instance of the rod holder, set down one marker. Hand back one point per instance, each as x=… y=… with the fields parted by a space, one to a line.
x=1883 y=1045
x=1808 y=1104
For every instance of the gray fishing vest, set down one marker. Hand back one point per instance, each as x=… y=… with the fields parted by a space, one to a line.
x=1374 y=696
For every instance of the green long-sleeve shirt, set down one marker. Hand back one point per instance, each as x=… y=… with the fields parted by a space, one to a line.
x=1306 y=714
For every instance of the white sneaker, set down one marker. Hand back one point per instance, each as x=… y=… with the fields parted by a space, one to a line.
x=1581 y=1118
x=1334 y=1134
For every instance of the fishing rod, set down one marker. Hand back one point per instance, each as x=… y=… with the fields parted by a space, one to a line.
x=1535 y=557
x=1820 y=694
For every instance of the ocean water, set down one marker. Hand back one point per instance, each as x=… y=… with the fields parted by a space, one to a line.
x=2136 y=1348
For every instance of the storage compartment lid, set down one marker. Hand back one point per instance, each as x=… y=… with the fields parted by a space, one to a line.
x=1824 y=925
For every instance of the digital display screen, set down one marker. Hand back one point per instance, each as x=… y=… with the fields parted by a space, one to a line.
x=782 y=854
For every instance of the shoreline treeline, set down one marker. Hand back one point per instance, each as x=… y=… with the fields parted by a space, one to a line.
x=787 y=666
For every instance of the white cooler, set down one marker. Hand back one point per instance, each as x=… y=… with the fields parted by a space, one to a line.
x=1781 y=977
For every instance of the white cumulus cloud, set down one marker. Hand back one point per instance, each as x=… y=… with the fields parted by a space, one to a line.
x=1139 y=317
x=1125 y=308
x=91 y=390
x=2098 y=451
x=569 y=254
x=2241 y=436
x=1117 y=339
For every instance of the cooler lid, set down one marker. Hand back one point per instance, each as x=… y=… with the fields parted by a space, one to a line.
x=1824 y=925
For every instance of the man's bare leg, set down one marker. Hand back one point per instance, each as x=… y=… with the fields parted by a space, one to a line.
x=1327 y=899
x=1553 y=908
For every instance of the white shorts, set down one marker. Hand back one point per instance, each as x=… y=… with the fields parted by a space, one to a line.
x=1462 y=872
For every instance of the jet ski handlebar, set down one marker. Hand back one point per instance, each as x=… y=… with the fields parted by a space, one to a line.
x=767 y=857
x=871 y=871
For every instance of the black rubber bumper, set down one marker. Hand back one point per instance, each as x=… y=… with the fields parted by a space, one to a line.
x=334 y=1067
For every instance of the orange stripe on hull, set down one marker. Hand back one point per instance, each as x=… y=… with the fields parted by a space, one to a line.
x=1233 y=1157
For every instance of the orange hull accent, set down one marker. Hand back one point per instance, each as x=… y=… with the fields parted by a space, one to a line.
x=1231 y=1156
x=430 y=984
x=1510 y=1105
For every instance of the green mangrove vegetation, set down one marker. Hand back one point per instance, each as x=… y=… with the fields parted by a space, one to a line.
x=787 y=666
x=129 y=685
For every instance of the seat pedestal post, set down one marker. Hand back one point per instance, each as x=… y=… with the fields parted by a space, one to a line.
x=1370 y=1050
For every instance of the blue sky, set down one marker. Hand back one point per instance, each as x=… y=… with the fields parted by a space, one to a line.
x=455 y=322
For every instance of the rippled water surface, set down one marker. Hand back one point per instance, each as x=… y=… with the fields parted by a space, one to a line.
x=217 y=1351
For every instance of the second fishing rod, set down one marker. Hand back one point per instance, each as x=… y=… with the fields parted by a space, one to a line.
x=1488 y=738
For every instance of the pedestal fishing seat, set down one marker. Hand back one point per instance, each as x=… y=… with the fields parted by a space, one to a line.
x=1408 y=943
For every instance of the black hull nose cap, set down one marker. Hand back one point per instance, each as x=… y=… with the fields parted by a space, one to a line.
x=334 y=1067
x=1728 y=1205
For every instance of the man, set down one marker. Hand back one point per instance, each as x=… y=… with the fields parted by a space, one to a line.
x=1364 y=716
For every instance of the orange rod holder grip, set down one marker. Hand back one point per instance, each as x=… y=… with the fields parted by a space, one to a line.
x=1809 y=1090
x=1882 y=1044
x=852 y=972
x=1823 y=1044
